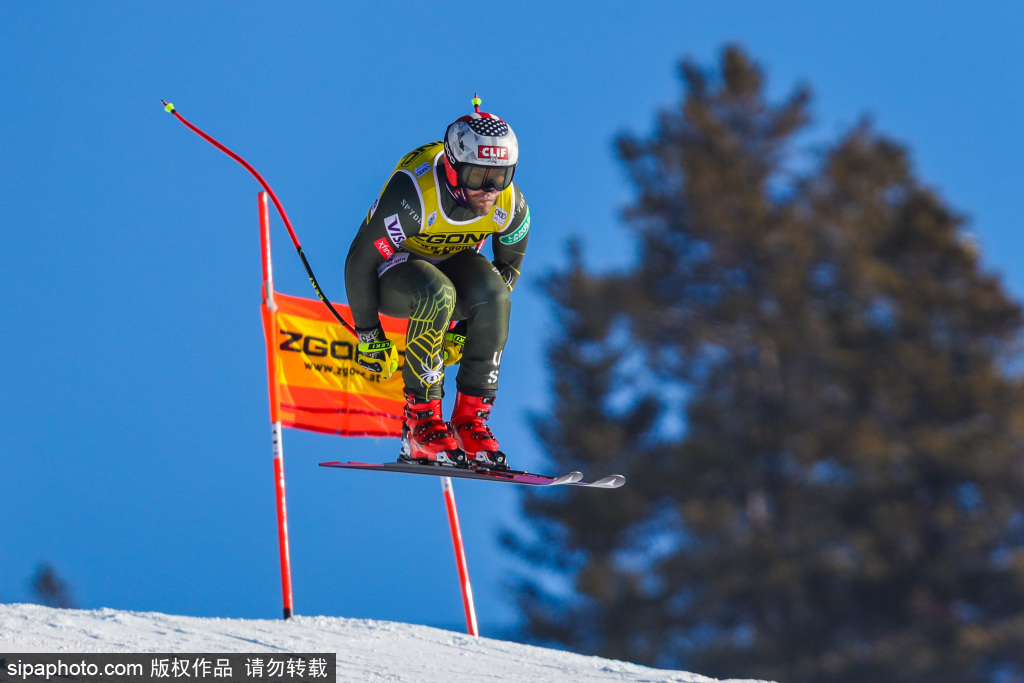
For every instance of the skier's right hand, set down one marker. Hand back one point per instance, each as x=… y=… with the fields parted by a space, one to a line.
x=454 y=340
x=376 y=353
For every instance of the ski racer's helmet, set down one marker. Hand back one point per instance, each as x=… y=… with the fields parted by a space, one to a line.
x=480 y=152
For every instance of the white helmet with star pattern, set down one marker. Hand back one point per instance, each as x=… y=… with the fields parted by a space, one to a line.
x=480 y=152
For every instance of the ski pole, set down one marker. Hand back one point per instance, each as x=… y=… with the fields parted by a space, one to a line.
x=280 y=209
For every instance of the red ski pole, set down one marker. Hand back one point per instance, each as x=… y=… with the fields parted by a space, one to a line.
x=280 y=209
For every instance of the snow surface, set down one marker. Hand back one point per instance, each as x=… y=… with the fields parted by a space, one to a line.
x=367 y=650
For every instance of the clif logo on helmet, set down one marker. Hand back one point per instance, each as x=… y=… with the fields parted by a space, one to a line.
x=492 y=152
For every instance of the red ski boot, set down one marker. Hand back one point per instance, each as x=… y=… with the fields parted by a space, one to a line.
x=426 y=438
x=473 y=436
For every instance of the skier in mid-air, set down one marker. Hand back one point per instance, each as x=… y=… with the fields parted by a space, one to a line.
x=417 y=256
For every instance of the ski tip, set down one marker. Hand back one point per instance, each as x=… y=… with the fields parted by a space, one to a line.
x=612 y=481
x=570 y=478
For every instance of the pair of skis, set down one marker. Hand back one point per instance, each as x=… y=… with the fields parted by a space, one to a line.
x=612 y=481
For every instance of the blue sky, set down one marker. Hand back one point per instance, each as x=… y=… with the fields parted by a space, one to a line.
x=136 y=456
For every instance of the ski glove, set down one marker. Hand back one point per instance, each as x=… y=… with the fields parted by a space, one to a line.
x=454 y=340
x=376 y=353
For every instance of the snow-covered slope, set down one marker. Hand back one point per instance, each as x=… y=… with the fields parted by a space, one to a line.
x=367 y=650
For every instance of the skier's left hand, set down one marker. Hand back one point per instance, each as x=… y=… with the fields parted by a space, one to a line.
x=376 y=352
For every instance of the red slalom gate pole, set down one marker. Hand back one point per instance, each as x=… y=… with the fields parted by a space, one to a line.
x=460 y=556
x=282 y=524
x=270 y=328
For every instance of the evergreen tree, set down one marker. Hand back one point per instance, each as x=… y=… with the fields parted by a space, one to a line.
x=806 y=378
x=50 y=589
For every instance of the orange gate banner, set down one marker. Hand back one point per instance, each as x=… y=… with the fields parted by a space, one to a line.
x=315 y=382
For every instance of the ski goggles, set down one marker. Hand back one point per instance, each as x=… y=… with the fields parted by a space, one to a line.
x=493 y=178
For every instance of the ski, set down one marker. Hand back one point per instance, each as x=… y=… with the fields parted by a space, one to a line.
x=612 y=481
